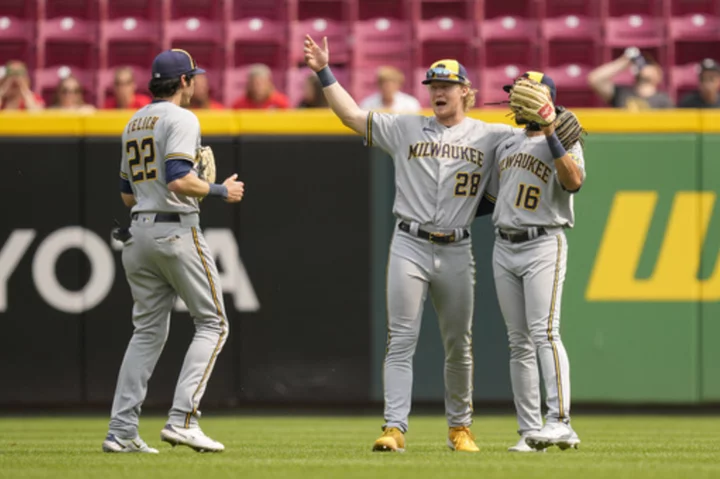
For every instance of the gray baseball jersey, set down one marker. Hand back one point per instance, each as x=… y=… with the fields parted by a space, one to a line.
x=529 y=275
x=157 y=133
x=167 y=257
x=530 y=192
x=441 y=174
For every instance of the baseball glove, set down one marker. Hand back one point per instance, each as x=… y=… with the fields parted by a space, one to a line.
x=568 y=128
x=532 y=101
x=205 y=160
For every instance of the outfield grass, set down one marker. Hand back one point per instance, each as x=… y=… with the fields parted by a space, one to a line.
x=304 y=447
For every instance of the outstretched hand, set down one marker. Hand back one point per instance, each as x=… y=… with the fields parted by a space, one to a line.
x=315 y=57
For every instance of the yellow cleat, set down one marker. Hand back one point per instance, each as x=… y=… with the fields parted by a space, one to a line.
x=461 y=439
x=392 y=440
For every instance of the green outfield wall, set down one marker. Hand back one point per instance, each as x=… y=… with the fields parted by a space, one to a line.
x=640 y=313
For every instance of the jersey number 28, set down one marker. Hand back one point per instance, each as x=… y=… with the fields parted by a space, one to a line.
x=467 y=184
x=141 y=154
x=528 y=197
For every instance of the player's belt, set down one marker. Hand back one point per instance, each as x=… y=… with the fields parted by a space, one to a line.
x=162 y=217
x=521 y=237
x=434 y=237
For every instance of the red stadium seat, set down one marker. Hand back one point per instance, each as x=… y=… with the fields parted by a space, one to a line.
x=493 y=79
x=570 y=27
x=685 y=76
x=393 y=9
x=695 y=27
x=382 y=41
x=336 y=32
x=193 y=21
x=500 y=54
x=70 y=20
x=444 y=29
x=509 y=28
x=634 y=30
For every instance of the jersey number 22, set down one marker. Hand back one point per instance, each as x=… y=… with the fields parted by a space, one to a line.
x=141 y=154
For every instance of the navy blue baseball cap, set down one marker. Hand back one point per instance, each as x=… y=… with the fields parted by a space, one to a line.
x=540 y=78
x=174 y=64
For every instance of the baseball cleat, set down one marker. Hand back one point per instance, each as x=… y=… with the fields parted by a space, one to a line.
x=461 y=439
x=392 y=440
x=522 y=446
x=573 y=442
x=553 y=434
x=112 y=443
x=192 y=437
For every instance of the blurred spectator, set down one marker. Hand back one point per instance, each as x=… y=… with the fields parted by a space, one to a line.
x=390 y=98
x=260 y=91
x=201 y=98
x=125 y=95
x=708 y=92
x=313 y=96
x=15 y=93
x=69 y=96
x=644 y=94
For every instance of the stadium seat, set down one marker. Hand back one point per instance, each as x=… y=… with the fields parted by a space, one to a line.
x=500 y=54
x=685 y=76
x=132 y=21
x=189 y=20
x=382 y=41
x=68 y=21
x=509 y=28
x=493 y=79
x=570 y=27
x=634 y=30
x=444 y=29
x=16 y=29
x=392 y=9
x=695 y=27
x=335 y=10
x=336 y=32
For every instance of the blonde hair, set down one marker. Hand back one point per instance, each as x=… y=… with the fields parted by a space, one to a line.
x=469 y=99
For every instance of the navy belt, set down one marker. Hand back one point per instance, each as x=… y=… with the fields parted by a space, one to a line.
x=162 y=217
x=434 y=237
x=521 y=237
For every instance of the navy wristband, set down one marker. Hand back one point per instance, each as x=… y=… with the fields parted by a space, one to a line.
x=218 y=190
x=326 y=77
x=556 y=148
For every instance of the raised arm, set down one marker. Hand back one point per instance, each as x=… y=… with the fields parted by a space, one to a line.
x=339 y=100
x=601 y=78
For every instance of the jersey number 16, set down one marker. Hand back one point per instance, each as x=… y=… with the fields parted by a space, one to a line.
x=528 y=197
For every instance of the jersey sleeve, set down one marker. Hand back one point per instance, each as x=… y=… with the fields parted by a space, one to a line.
x=183 y=138
x=383 y=130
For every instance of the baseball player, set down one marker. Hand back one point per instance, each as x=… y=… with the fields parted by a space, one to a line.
x=165 y=256
x=442 y=165
x=537 y=181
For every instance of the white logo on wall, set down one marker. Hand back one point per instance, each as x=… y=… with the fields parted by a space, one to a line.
x=233 y=277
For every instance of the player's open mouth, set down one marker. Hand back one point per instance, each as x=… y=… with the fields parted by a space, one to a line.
x=440 y=103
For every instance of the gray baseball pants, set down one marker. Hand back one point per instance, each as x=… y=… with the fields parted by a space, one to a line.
x=163 y=261
x=529 y=278
x=447 y=271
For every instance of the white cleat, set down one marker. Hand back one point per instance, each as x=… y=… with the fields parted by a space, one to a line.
x=192 y=437
x=112 y=443
x=522 y=446
x=553 y=434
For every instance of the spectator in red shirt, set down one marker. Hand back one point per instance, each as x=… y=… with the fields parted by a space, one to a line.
x=201 y=98
x=15 y=93
x=125 y=88
x=260 y=92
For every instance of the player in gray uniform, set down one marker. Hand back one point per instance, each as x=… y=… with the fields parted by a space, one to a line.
x=535 y=204
x=442 y=165
x=165 y=256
